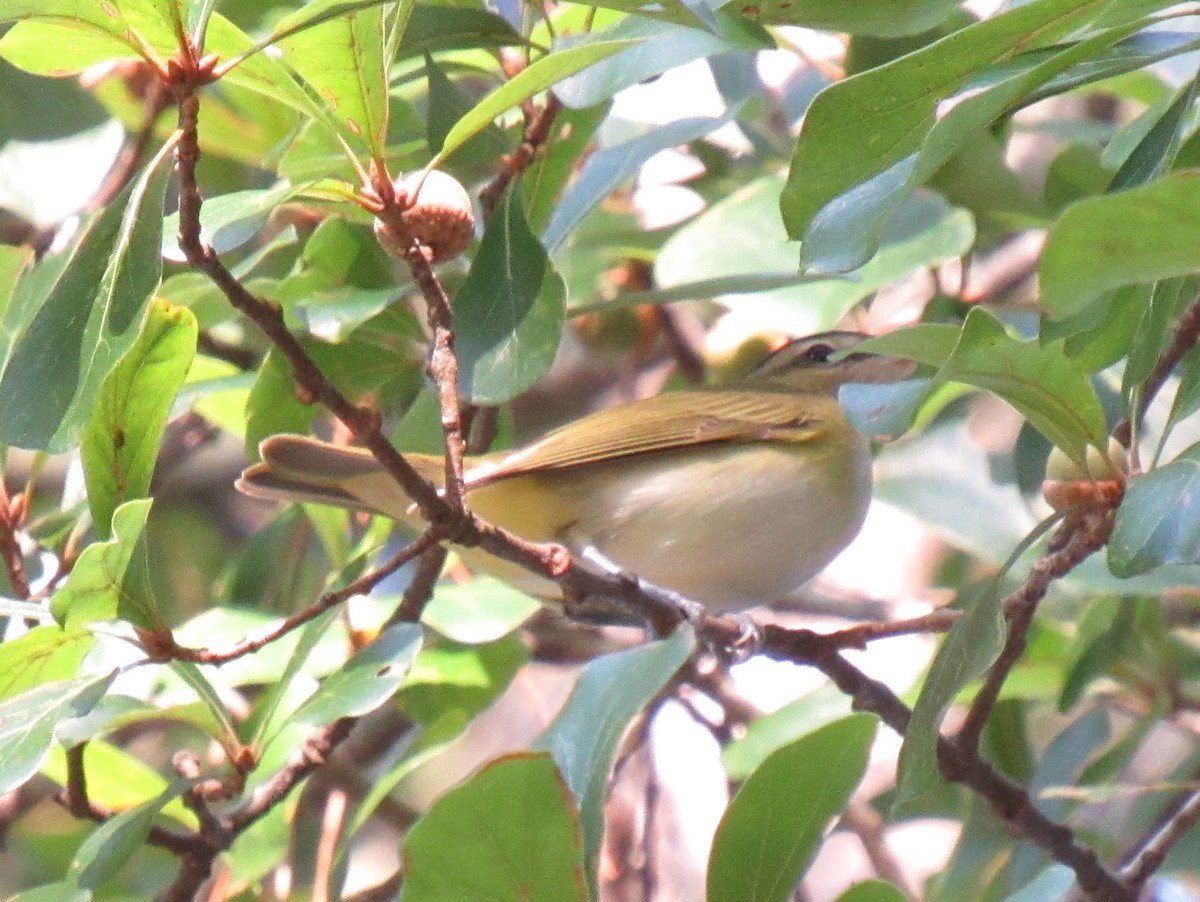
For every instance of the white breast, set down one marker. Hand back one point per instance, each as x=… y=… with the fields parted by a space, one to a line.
x=731 y=529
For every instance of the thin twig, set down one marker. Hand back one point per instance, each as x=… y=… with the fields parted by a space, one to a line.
x=687 y=358
x=1151 y=850
x=361 y=586
x=74 y=798
x=363 y=423
x=1077 y=538
x=303 y=761
x=443 y=369
x=537 y=133
x=12 y=515
x=1008 y=800
x=1183 y=339
x=242 y=357
x=420 y=587
x=865 y=822
x=133 y=151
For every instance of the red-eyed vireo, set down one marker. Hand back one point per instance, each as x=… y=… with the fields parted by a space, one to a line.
x=733 y=496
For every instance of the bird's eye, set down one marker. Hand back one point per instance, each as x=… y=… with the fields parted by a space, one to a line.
x=819 y=353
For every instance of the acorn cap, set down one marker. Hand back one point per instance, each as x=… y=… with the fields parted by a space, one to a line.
x=440 y=218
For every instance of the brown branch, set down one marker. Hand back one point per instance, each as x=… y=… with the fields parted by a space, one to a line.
x=687 y=358
x=12 y=515
x=1151 y=850
x=243 y=358
x=1080 y=536
x=74 y=798
x=457 y=525
x=537 y=133
x=443 y=370
x=303 y=761
x=133 y=151
x=363 y=423
x=1183 y=339
x=364 y=584
x=865 y=823
x=1008 y=801
x=420 y=587
x=713 y=680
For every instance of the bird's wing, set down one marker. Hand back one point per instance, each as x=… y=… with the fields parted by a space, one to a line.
x=671 y=421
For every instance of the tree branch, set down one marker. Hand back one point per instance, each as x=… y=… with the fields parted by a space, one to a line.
x=1077 y=538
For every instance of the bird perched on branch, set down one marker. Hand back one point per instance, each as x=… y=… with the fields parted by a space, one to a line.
x=732 y=496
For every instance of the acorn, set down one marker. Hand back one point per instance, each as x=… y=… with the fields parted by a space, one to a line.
x=441 y=217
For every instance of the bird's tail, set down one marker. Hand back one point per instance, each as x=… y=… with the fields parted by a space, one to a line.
x=300 y=468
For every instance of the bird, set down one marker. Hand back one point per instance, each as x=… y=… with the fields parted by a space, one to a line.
x=732 y=496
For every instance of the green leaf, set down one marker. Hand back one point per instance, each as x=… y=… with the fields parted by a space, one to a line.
x=870 y=139
x=196 y=680
x=367 y=680
x=28 y=721
x=872 y=891
x=969 y=649
x=766 y=734
x=447 y=104
x=742 y=235
x=432 y=740
x=450 y=677
x=609 y=693
x=1073 y=175
x=1038 y=380
x=1156 y=152
x=262 y=720
x=876 y=18
x=605 y=171
x=13 y=260
x=1051 y=885
x=482 y=610
x=774 y=825
x=259 y=72
x=119 y=446
x=433 y=28
x=1101 y=243
x=118 y=23
x=109 y=847
x=533 y=79
x=93 y=591
x=1081 y=741
x=63 y=891
x=509 y=311
x=45 y=654
x=342 y=60
x=546 y=180
x=1157 y=308
x=1103 y=638
x=229 y=220
x=354 y=366
x=77 y=312
x=535 y=855
x=118 y=779
x=1158 y=521
x=75 y=109
x=655 y=47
